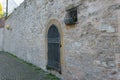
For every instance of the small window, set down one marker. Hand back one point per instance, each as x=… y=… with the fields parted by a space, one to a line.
x=71 y=16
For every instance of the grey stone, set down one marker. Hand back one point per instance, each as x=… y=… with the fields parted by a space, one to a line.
x=86 y=46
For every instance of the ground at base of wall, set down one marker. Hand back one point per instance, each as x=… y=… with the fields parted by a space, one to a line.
x=12 y=68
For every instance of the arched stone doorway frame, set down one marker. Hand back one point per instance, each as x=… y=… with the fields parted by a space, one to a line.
x=58 y=25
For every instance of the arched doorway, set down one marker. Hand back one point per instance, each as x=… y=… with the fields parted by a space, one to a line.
x=54 y=44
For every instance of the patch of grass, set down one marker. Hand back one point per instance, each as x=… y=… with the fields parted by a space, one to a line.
x=30 y=64
x=55 y=79
x=49 y=75
x=12 y=55
x=52 y=77
x=38 y=69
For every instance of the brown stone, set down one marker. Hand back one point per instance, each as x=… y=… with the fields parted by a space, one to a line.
x=118 y=65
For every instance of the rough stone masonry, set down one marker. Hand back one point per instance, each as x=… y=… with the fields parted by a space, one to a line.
x=90 y=49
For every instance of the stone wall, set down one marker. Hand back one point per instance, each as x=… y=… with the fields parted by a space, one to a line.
x=1 y=39
x=90 y=49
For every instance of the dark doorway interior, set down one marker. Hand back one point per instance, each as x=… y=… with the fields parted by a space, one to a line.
x=53 y=39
